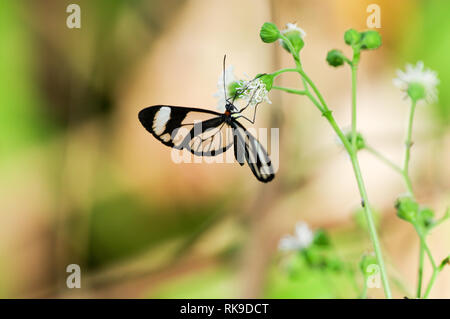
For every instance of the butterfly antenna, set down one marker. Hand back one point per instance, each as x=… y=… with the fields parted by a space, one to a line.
x=224 y=86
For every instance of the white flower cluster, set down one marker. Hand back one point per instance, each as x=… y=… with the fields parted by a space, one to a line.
x=302 y=238
x=427 y=78
x=253 y=91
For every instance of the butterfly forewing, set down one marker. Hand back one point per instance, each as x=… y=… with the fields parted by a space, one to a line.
x=202 y=132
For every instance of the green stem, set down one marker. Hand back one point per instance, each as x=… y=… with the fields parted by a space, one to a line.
x=316 y=92
x=364 y=290
x=430 y=284
x=383 y=158
x=289 y=90
x=277 y=73
x=408 y=145
x=322 y=106
x=292 y=49
x=354 y=67
x=435 y=267
x=407 y=179
x=371 y=224
x=442 y=219
x=357 y=171
x=420 y=275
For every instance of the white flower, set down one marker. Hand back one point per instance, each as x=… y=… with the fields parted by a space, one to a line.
x=303 y=238
x=253 y=91
x=293 y=27
x=417 y=75
x=220 y=94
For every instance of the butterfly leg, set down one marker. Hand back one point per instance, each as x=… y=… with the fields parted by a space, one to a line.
x=254 y=115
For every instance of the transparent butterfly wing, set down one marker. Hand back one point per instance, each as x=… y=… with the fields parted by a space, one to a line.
x=249 y=148
x=202 y=132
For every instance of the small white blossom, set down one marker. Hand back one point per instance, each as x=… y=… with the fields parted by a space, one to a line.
x=254 y=91
x=427 y=78
x=293 y=27
x=220 y=94
x=302 y=238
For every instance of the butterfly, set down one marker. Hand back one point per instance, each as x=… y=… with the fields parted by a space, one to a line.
x=207 y=133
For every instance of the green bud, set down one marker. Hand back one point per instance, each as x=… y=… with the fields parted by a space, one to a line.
x=335 y=58
x=366 y=262
x=296 y=40
x=321 y=238
x=416 y=91
x=370 y=40
x=360 y=143
x=407 y=208
x=267 y=79
x=352 y=37
x=269 y=32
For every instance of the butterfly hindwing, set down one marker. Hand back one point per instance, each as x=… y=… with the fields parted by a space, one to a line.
x=256 y=156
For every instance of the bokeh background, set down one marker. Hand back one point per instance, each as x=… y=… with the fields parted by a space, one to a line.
x=82 y=182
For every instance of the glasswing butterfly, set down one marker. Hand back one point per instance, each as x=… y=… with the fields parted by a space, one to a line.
x=204 y=132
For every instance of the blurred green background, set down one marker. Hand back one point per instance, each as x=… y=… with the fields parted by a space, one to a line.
x=82 y=182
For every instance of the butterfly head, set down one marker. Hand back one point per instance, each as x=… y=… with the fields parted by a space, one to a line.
x=230 y=107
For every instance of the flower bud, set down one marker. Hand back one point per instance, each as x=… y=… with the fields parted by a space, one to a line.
x=352 y=37
x=269 y=32
x=360 y=143
x=295 y=36
x=416 y=91
x=370 y=40
x=335 y=58
x=321 y=238
x=407 y=208
x=296 y=41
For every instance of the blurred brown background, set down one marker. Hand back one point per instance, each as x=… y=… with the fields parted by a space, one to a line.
x=82 y=182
